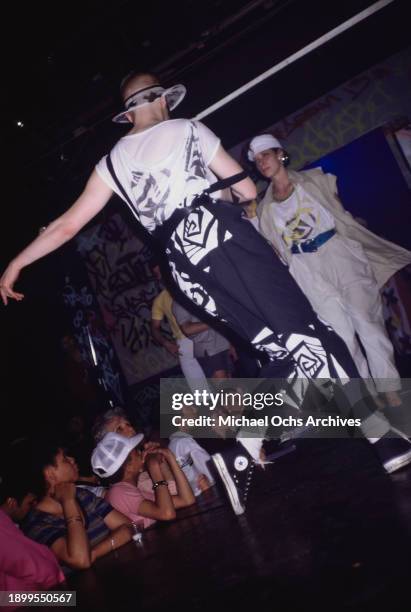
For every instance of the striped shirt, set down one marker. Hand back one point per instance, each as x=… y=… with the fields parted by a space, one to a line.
x=47 y=528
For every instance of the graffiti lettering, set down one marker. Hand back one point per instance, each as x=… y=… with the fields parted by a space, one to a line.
x=88 y=329
x=118 y=267
x=289 y=125
x=372 y=98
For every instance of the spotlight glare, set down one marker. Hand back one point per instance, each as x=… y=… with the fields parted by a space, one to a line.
x=20 y=124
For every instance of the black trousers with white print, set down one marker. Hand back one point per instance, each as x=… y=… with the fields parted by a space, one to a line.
x=221 y=263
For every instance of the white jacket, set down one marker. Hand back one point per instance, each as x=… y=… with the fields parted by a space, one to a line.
x=385 y=257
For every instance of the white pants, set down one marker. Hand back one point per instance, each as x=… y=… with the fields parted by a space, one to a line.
x=341 y=287
x=190 y=367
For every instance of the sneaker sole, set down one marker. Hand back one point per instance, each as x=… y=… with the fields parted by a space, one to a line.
x=398 y=462
x=228 y=483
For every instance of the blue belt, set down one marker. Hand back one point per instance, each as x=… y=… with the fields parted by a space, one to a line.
x=311 y=246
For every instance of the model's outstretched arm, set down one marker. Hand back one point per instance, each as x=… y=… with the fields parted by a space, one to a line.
x=94 y=197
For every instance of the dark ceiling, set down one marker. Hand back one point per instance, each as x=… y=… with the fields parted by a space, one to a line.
x=67 y=59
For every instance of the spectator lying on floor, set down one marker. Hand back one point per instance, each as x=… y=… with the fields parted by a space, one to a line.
x=78 y=526
x=87 y=479
x=117 y=421
x=121 y=460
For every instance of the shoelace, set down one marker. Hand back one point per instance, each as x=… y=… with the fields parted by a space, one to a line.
x=250 y=471
x=249 y=476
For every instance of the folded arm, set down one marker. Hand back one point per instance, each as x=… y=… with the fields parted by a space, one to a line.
x=73 y=549
x=121 y=533
x=162 y=508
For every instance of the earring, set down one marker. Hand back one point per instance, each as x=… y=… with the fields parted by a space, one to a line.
x=284 y=159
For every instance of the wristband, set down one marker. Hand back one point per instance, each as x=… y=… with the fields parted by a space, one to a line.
x=160 y=483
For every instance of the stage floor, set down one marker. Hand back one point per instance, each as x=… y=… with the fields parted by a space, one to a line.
x=325 y=528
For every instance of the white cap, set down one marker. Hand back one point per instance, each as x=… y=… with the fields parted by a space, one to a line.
x=262 y=143
x=111 y=452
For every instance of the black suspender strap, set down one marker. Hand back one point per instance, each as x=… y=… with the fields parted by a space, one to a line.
x=168 y=226
x=227 y=182
x=119 y=185
x=217 y=186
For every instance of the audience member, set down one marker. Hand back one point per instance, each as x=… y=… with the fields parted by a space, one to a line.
x=116 y=420
x=121 y=460
x=182 y=346
x=210 y=348
x=78 y=526
x=25 y=565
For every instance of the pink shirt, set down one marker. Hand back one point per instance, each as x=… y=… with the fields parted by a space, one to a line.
x=126 y=498
x=25 y=565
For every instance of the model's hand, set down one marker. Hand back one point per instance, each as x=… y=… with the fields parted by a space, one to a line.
x=9 y=277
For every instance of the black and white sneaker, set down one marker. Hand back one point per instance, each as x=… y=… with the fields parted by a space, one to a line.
x=235 y=468
x=394 y=451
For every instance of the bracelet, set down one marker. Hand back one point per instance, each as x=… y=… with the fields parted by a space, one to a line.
x=159 y=483
x=73 y=519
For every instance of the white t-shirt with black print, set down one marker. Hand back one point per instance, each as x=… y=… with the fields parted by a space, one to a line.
x=162 y=168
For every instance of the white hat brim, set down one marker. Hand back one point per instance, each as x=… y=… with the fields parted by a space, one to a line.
x=128 y=447
x=262 y=143
x=174 y=95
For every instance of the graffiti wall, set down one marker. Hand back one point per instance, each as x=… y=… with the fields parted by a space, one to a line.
x=92 y=341
x=117 y=263
x=380 y=95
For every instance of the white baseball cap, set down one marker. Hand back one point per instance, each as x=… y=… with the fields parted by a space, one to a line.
x=262 y=143
x=111 y=452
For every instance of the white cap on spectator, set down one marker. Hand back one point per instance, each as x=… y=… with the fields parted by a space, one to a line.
x=262 y=143
x=111 y=452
